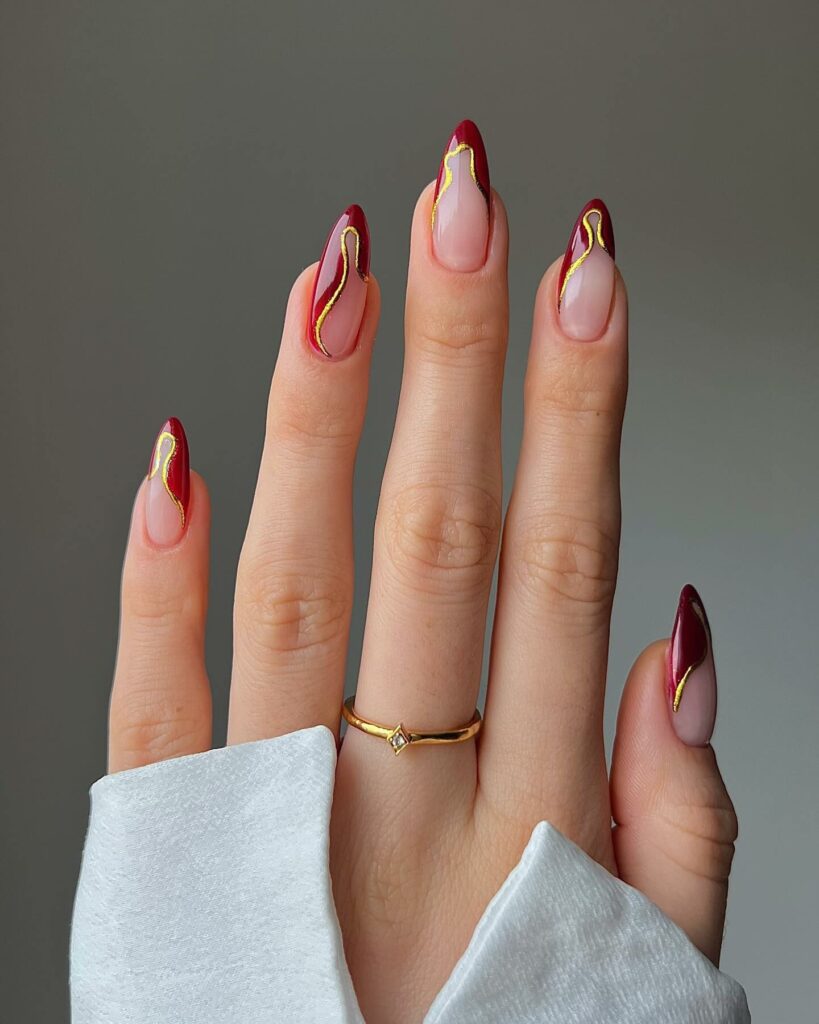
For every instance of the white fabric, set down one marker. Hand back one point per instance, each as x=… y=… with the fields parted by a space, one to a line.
x=205 y=897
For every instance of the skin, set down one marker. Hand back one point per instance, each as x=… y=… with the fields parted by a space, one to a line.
x=420 y=843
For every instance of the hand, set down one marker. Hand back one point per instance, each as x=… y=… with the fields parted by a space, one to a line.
x=422 y=841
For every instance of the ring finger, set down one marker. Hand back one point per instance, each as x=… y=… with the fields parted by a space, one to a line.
x=543 y=740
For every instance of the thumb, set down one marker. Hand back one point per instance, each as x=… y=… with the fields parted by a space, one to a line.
x=675 y=825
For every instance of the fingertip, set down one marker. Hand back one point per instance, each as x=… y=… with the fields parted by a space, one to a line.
x=142 y=547
x=641 y=732
x=421 y=237
x=498 y=248
x=421 y=253
x=200 y=505
x=372 y=313
x=644 y=686
x=298 y=300
x=422 y=212
x=298 y=318
x=647 y=745
x=651 y=765
x=547 y=316
x=676 y=825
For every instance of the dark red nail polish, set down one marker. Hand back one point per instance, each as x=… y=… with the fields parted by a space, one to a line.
x=340 y=288
x=692 y=682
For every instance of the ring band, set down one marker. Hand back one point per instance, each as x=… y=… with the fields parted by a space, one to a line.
x=400 y=737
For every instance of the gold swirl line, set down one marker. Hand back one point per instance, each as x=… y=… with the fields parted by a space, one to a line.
x=334 y=297
x=590 y=233
x=165 y=466
x=460 y=148
x=681 y=684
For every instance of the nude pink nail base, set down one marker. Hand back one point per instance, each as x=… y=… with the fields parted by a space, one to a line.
x=692 y=677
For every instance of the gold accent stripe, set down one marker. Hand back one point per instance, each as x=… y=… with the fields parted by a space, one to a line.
x=165 y=464
x=460 y=148
x=680 y=686
x=334 y=297
x=590 y=233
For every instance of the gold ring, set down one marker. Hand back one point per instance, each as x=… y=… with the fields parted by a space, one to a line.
x=400 y=737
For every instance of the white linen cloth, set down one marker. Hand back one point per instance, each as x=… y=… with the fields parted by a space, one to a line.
x=204 y=897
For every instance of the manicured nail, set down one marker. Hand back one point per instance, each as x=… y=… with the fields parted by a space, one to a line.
x=586 y=283
x=169 y=486
x=692 y=678
x=340 y=289
x=460 y=209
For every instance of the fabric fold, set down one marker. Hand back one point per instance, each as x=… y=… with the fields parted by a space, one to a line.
x=204 y=896
x=565 y=942
x=204 y=893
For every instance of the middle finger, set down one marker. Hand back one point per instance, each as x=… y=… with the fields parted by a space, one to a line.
x=439 y=514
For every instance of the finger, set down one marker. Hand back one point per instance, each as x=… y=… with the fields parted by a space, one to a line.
x=675 y=824
x=438 y=519
x=294 y=587
x=543 y=734
x=160 y=701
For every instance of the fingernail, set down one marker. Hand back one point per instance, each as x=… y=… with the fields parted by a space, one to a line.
x=460 y=209
x=692 y=677
x=340 y=289
x=586 y=282
x=169 y=485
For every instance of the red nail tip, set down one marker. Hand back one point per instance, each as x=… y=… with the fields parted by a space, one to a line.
x=170 y=457
x=466 y=135
x=585 y=235
x=690 y=638
x=331 y=276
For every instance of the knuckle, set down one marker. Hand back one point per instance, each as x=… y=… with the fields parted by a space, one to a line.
x=571 y=394
x=150 y=726
x=567 y=563
x=442 y=534
x=384 y=874
x=388 y=885
x=305 y=432
x=702 y=836
x=160 y=609
x=291 y=614
x=441 y=335
x=376 y=874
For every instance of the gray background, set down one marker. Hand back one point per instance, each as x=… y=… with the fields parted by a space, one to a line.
x=167 y=169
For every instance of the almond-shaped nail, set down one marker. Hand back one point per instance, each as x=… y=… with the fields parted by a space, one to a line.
x=169 y=485
x=340 y=289
x=692 y=677
x=586 y=282
x=460 y=209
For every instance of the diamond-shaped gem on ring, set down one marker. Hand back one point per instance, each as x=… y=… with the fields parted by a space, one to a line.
x=398 y=739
